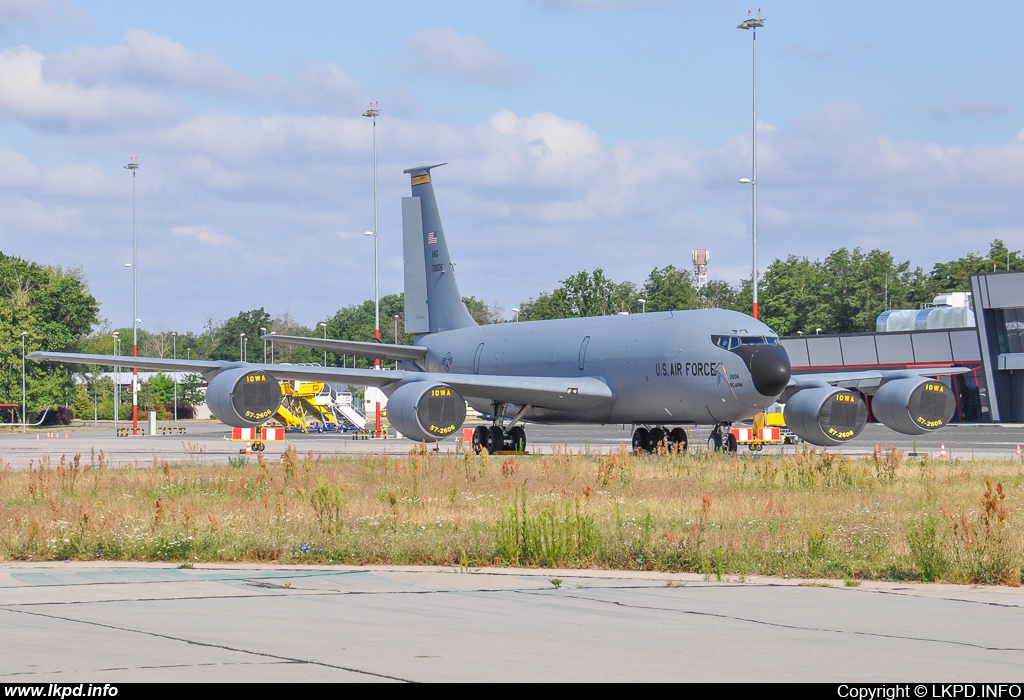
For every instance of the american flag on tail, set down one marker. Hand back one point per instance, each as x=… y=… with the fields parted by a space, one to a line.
x=432 y=238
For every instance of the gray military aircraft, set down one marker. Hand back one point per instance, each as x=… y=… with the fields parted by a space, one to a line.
x=658 y=372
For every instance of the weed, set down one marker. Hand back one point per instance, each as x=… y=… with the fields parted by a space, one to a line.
x=556 y=582
x=928 y=548
x=850 y=583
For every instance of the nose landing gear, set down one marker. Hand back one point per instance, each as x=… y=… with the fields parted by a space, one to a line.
x=722 y=440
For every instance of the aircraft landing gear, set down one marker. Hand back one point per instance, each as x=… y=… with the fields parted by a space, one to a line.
x=722 y=440
x=494 y=439
x=649 y=439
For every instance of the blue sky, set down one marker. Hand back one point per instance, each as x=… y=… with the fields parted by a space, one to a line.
x=580 y=134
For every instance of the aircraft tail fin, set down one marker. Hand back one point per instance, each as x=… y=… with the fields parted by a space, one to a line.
x=432 y=299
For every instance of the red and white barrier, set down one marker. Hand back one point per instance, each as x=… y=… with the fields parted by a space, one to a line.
x=260 y=434
x=763 y=435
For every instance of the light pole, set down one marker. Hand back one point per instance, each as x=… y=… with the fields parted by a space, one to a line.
x=643 y=305
x=117 y=383
x=516 y=312
x=817 y=331
x=24 y=406
x=753 y=23
x=245 y=349
x=263 y=332
x=323 y=325
x=373 y=113
x=272 y=334
x=133 y=165
x=241 y=350
x=174 y=341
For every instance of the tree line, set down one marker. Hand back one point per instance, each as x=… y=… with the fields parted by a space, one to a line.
x=843 y=293
x=53 y=309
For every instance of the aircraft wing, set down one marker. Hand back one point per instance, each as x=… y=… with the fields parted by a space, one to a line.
x=866 y=381
x=567 y=393
x=385 y=351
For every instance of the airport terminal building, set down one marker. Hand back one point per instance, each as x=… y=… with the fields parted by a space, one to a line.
x=993 y=351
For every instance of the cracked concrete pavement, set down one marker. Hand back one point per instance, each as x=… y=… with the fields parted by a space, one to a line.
x=110 y=622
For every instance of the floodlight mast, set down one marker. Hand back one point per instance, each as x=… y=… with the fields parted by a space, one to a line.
x=133 y=165
x=753 y=24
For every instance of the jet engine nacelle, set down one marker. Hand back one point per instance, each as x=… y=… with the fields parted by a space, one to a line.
x=826 y=415
x=244 y=398
x=426 y=410
x=913 y=406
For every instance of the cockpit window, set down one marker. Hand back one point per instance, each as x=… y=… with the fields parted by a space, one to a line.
x=731 y=342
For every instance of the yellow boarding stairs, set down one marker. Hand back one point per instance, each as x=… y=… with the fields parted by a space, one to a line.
x=317 y=406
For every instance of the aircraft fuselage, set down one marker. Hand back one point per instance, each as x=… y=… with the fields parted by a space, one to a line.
x=664 y=368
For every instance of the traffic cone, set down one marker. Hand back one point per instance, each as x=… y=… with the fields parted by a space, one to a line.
x=942 y=451
x=37 y=437
x=1018 y=450
x=65 y=436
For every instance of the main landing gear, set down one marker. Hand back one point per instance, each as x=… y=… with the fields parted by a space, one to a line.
x=494 y=439
x=657 y=438
x=721 y=439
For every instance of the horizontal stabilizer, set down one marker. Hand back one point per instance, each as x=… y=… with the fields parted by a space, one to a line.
x=384 y=351
x=162 y=364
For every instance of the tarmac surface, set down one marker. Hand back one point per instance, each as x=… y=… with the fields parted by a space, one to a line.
x=100 y=622
x=204 y=442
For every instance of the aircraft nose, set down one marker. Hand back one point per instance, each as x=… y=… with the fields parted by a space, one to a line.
x=768 y=365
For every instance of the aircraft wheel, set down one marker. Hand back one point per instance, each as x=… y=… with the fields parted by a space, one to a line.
x=495 y=439
x=733 y=444
x=715 y=441
x=517 y=435
x=479 y=438
x=641 y=440
x=679 y=439
x=657 y=435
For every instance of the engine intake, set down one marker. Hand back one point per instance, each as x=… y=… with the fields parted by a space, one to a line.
x=244 y=398
x=426 y=410
x=914 y=406
x=826 y=415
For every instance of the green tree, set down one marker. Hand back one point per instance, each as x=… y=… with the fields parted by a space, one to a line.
x=582 y=294
x=669 y=289
x=954 y=276
x=718 y=294
x=53 y=308
x=228 y=339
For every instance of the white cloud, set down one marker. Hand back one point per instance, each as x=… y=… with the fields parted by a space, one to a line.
x=39 y=13
x=26 y=95
x=954 y=106
x=447 y=53
x=202 y=233
x=146 y=60
x=588 y=5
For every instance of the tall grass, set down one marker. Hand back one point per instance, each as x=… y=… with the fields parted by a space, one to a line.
x=811 y=514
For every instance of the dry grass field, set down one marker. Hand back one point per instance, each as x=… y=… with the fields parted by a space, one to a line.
x=881 y=516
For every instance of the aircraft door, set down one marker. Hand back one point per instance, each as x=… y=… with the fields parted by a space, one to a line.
x=583 y=353
x=476 y=360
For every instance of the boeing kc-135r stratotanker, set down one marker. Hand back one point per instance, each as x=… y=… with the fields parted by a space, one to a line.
x=658 y=372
